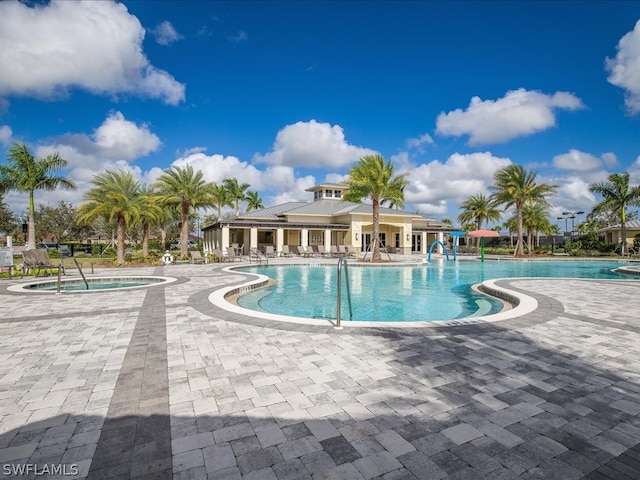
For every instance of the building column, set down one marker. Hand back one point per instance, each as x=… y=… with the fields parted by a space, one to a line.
x=441 y=239
x=424 y=248
x=356 y=235
x=253 y=238
x=405 y=241
x=327 y=240
x=224 y=243
x=304 y=237
x=279 y=241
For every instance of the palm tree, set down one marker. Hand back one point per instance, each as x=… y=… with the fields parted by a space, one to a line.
x=236 y=191
x=150 y=214
x=187 y=190
x=514 y=186
x=535 y=218
x=617 y=195
x=373 y=178
x=254 y=202
x=220 y=198
x=478 y=208
x=114 y=197
x=26 y=174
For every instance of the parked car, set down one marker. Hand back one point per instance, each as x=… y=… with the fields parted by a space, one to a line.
x=62 y=249
x=175 y=245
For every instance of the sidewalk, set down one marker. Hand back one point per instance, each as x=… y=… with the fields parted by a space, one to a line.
x=158 y=383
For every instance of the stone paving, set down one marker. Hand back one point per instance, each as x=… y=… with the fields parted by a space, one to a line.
x=159 y=383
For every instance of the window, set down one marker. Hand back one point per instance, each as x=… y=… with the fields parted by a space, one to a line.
x=337 y=193
x=328 y=193
x=397 y=240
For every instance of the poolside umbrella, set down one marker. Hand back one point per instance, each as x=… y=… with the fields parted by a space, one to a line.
x=482 y=234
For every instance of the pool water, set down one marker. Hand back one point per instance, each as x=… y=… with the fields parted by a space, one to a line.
x=436 y=291
x=94 y=284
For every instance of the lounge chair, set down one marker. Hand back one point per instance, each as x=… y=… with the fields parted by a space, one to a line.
x=269 y=251
x=29 y=262
x=351 y=251
x=335 y=252
x=218 y=256
x=38 y=261
x=305 y=251
x=285 y=251
x=233 y=255
x=196 y=256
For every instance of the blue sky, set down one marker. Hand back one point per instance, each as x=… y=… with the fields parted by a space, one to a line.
x=284 y=95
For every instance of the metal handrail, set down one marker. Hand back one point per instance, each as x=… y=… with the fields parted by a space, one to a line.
x=80 y=270
x=339 y=294
x=61 y=268
x=254 y=252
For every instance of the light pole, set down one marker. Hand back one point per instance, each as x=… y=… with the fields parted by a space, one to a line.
x=572 y=216
x=566 y=226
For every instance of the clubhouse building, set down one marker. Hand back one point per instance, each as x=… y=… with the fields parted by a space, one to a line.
x=325 y=222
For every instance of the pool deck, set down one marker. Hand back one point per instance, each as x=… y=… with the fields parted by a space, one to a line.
x=158 y=383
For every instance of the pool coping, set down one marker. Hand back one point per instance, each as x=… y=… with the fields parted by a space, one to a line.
x=24 y=287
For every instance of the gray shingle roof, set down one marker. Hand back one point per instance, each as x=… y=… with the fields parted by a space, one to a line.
x=273 y=212
x=321 y=207
x=631 y=224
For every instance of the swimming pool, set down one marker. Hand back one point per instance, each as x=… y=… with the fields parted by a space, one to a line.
x=428 y=292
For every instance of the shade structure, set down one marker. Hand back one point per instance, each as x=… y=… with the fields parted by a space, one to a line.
x=482 y=234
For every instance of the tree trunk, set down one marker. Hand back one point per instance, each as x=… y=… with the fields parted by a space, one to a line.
x=520 y=243
x=31 y=242
x=375 y=252
x=120 y=240
x=145 y=240
x=163 y=236
x=623 y=238
x=184 y=231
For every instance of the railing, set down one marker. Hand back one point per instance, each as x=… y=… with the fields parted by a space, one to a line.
x=339 y=294
x=61 y=268
x=258 y=256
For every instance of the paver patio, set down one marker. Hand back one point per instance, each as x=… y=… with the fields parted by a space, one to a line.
x=159 y=383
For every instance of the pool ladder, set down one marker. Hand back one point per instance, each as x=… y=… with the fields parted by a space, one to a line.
x=61 y=268
x=339 y=294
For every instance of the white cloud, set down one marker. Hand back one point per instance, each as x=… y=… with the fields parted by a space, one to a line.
x=335 y=178
x=435 y=184
x=610 y=159
x=424 y=139
x=165 y=34
x=573 y=195
x=116 y=139
x=624 y=69
x=120 y=138
x=312 y=145
x=96 y=46
x=519 y=113
x=217 y=167
x=5 y=134
x=295 y=193
x=577 y=161
x=239 y=37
